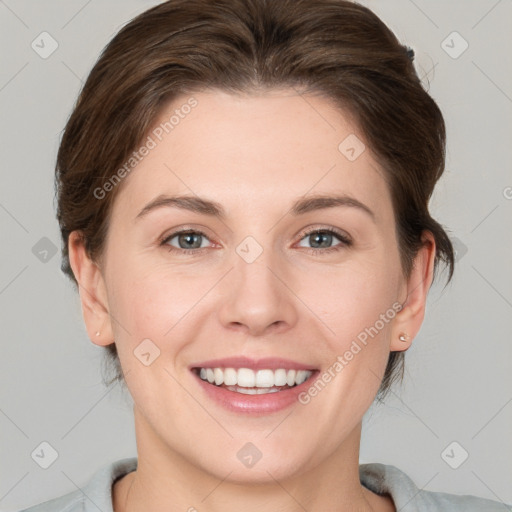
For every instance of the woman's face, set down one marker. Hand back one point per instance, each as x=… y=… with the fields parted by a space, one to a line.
x=255 y=288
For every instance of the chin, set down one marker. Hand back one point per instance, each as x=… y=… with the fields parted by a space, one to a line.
x=262 y=472
x=257 y=463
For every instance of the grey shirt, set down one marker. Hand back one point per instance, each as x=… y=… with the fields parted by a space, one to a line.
x=96 y=495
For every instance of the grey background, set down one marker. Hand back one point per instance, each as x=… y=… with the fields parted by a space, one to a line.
x=458 y=382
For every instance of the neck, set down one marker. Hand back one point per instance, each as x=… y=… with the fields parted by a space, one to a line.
x=166 y=481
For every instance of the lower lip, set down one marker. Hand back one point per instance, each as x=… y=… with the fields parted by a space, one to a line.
x=254 y=404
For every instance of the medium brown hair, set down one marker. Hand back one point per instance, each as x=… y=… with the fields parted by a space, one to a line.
x=335 y=48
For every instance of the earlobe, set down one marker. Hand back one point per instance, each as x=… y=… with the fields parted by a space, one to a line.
x=408 y=321
x=92 y=289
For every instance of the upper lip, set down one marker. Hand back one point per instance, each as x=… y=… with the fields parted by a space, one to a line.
x=270 y=363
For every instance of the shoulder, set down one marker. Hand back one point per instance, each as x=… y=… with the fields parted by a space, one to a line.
x=388 y=479
x=95 y=495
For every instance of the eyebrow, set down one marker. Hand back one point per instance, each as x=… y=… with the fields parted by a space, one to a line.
x=302 y=206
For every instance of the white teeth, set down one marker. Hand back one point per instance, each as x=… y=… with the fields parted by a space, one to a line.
x=301 y=376
x=230 y=377
x=219 y=376
x=253 y=391
x=245 y=380
x=280 y=377
x=264 y=378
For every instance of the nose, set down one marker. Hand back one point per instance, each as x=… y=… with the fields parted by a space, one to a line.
x=258 y=297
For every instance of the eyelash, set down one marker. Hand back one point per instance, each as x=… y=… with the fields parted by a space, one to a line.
x=344 y=239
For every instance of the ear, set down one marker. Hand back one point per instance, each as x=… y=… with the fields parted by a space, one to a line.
x=408 y=321
x=93 y=293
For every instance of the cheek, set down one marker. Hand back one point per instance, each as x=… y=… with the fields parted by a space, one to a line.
x=352 y=300
x=359 y=307
x=157 y=303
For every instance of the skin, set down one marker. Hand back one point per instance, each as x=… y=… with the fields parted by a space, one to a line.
x=255 y=155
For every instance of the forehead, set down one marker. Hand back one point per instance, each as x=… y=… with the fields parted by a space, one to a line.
x=270 y=148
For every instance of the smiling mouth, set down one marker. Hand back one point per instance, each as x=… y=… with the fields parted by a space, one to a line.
x=251 y=382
